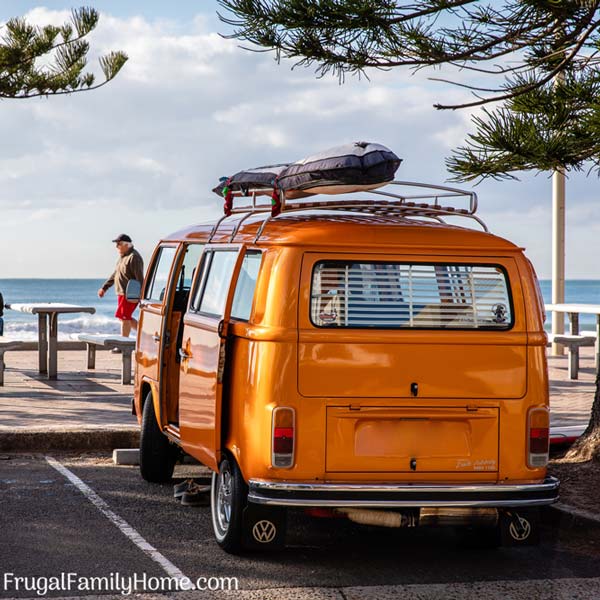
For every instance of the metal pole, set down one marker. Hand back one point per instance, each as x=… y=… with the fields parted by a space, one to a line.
x=558 y=255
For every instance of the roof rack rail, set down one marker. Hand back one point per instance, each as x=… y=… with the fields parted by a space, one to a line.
x=426 y=204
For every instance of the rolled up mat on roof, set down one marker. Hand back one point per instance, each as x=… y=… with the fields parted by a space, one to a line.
x=350 y=168
x=260 y=180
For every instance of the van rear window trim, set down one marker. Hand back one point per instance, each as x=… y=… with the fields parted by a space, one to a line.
x=375 y=327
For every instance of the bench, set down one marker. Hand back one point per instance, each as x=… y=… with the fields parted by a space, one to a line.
x=5 y=346
x=573 y=343
x=126 y=345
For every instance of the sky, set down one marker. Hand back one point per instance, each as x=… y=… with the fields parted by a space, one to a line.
x=141 y=155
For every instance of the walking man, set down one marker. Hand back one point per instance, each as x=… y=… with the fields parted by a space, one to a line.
x=129 y=266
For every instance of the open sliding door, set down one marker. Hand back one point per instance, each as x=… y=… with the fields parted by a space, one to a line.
x=202 y=353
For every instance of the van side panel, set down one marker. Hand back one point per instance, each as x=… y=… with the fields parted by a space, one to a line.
x=261 y=366
x=260 y=378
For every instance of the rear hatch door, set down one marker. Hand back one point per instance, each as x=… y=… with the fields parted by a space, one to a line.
x=411 y=357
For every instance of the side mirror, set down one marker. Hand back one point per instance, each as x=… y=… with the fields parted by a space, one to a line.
x=133 y=292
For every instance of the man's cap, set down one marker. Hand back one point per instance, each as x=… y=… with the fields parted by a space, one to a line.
x=123 y=238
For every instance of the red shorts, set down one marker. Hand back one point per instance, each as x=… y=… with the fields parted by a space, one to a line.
x=124 y=309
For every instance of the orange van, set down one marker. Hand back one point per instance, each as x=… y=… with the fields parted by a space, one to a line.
x=365 y=357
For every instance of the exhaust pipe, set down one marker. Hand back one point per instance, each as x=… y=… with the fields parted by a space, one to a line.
x=380 y=518
x=458 y=516
x=426 y=517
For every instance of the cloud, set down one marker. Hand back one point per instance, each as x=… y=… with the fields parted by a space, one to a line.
x=191 y=106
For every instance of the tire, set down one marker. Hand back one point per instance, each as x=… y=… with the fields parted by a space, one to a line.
x=157 y=454
x=519 y=527
x=228 y=498
x=237 y=525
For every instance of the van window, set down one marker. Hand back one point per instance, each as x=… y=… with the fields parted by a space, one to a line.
x=155 y=290
x=193 y=252
x=212 y=295
x=395 y=295
x=246 y=284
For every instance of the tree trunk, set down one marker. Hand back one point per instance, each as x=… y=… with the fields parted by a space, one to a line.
x=587 y=447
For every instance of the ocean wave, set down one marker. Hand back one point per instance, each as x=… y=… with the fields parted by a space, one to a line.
x=68 y=328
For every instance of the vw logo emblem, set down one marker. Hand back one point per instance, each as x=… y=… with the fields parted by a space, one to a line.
x=522 y=535
x=264 y=531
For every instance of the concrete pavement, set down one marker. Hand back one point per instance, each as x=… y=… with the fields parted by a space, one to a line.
x=571 y=400
x=79 y=399
x=82 y=410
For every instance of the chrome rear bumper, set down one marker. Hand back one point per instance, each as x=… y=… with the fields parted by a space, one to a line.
x=311 y=494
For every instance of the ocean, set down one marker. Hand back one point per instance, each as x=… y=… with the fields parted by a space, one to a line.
x=70 y=291
x=84 y=292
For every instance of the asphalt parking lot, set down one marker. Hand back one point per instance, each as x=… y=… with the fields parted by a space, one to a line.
x=49 y=527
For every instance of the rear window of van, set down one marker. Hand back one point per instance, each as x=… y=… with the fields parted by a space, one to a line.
x=391 y=295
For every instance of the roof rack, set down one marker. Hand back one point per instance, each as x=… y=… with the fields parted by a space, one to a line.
x=426 y=204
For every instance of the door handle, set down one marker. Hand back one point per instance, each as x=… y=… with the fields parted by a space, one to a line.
x=184 y=355
x=156 y=337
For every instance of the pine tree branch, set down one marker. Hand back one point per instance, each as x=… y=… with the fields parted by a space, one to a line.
x=356 y=35
x=564 y=63
x=65 y=59
x=58 y=93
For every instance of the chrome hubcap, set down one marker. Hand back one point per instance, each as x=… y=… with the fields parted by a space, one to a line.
x=224 y=493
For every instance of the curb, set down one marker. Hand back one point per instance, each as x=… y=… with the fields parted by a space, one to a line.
x=574 y=516
x=68 y=440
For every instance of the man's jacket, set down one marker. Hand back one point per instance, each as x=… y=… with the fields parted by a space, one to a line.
x=130 y=266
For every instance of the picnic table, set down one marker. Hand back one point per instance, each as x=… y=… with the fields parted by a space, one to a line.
x=573 y=311
x=48 y=329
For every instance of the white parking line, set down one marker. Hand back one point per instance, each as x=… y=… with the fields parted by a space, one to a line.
x=125 y=527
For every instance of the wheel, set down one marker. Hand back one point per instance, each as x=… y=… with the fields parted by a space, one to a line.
x=238 y=525
x=519 y=527
x=157 y=454
x=228 y=495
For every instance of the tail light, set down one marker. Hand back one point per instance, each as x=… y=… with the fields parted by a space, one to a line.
x=538 y=437
x=284 y=424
